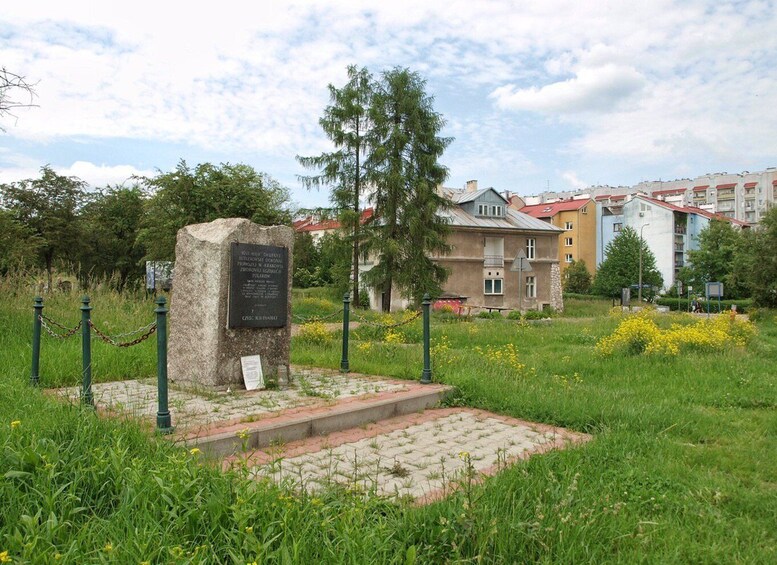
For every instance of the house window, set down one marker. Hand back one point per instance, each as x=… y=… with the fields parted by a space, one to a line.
x=492 y=286
x=568 y=241
x=496 y=210
x=568 y=258
x=482 y=209
x=530 y=245
x=584 y=210
x=531 y=287
x=567 y=225
x=617 y=227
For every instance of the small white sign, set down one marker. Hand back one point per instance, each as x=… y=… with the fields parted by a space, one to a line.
x=253 y=377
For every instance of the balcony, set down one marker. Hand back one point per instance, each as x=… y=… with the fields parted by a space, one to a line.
x=679 y=247
x=493 y=261
x=680 y=230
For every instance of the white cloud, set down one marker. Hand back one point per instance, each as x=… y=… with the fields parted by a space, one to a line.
x=598 y=89
x=573 y=180
x=94 y=175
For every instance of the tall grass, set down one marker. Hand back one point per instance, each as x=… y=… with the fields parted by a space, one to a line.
x=680 y=468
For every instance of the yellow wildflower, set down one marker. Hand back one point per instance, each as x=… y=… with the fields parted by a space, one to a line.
x=195 y=451
x=108 y=547
x=249 y=529
x=15 y=424
x=4 y=557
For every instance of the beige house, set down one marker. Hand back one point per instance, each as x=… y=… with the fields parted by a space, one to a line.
x=486 y=236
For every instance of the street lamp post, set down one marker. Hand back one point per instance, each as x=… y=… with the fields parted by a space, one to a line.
x=639 y=292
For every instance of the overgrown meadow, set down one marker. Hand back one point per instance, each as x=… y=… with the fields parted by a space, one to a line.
x=681 y=467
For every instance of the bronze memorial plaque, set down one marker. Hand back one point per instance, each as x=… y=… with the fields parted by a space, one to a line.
x=258 y=286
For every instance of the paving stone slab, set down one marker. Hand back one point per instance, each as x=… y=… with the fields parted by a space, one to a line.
x=195 y=411
x=409 y=461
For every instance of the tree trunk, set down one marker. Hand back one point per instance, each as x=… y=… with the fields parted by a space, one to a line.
x=386 y=302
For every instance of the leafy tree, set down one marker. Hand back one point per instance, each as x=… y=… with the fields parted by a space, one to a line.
x=335 y=261
x=306 y=261
x=18 y=244
x=404 y=173
x=49 y=208
x=111 y=221
x=756 y=264
x=714 y=260
x=577 y=279
x=185 y=196
x=621 y=267
x=346 y=122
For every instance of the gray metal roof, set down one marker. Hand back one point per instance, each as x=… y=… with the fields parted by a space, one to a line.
x=462 y=196
x=513 y=219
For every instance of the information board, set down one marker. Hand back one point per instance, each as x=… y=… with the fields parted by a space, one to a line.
x=258 y=286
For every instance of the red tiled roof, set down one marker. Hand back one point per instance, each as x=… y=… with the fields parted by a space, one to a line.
x=701 y=187
x=727 y=185
x=307 y=224
x=669 y=192
x=551 y=209
x=750 y=184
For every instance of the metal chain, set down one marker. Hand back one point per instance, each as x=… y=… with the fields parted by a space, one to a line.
x=135 y=332
x=107 y=339
x=302 y=320
x=68 y=331
x=367 y=322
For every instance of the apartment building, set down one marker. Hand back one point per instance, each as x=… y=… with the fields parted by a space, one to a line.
x=744 y=196
x=578 y=220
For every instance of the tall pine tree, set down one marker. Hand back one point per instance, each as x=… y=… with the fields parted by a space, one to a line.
x=404 y=173
x=346 y=122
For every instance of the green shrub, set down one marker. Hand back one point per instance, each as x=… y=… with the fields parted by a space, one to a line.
x=536 y=315
x=514 y=315
x=490 y=315
x=681 y=304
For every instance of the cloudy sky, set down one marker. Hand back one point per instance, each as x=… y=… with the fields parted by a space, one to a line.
x=537 y=94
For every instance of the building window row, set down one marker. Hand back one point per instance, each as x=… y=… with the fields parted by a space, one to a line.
x=493 y=210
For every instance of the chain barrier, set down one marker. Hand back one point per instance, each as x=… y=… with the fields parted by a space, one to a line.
x=111 y=340
x=68 y=331
x=367 y=322
x=302 y=320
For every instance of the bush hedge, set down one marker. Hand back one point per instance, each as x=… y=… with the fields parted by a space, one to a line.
x=683 y=304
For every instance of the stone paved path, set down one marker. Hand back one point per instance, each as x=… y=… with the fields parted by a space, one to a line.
x=192 y=409
x=420 y=457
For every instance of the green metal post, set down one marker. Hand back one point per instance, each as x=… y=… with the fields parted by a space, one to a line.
x=38 y=309
x=86 y=352
x=163 y=420
x=344 y=368
x=426 y=374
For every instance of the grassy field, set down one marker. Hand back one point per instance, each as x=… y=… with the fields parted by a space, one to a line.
x=681 y=468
